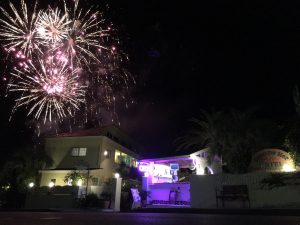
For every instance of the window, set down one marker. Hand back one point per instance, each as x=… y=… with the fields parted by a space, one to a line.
x=133 y=162
x=122 y=157
x=78 y=151
x=118 y=156
x=75 y=151
x=82 y=152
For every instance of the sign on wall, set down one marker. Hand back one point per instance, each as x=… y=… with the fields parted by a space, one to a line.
x=136 y=198
x=272 y=160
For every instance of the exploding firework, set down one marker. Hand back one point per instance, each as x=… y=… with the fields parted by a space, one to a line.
x=66 y=61
x=86 y=36
x=52 y=26
x=17 y=30
x=50 y=89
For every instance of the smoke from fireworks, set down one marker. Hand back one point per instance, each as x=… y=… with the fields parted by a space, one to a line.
x=65 y=60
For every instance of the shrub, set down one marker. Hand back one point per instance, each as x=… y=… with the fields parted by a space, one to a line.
x=91 y=200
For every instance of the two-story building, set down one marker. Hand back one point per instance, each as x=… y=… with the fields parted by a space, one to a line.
x=97 y=151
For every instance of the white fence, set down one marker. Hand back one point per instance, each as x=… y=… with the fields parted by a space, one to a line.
x=203 y=191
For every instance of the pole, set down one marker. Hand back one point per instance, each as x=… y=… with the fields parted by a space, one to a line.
x=87 y=180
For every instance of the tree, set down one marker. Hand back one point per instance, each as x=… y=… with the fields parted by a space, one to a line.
x=25 y=164
x=206 y=133
x=21 y=169
x=291 y=142
x=76 y=176
x=230 y=135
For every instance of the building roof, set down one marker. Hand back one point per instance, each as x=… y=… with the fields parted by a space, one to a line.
x=184 y=161
x=86 y=132
x=112 y=132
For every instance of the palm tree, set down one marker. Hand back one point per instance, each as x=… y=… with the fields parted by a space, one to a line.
x=207 y=132
x=227 y=134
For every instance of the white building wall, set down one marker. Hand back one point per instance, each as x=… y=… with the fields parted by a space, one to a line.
x=203 y=193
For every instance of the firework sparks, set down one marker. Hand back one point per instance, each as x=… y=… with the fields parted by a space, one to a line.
x=18 y=30
x=51 y=90
x=85 y=36
x=64 y=57
x=52 y=26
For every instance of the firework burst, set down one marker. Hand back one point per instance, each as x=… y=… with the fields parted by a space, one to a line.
x=49 y=89
x=52 y=26
x=66 y=61
x=17 y=30
x=85 y=36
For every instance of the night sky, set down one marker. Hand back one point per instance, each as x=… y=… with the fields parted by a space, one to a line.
x=188 y=56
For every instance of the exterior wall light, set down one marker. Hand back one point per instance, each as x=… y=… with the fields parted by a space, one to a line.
x=51 y=184
x=200 y=170
x=79 y=182
x=31 y=185
x=117 y=175
x=105 y=153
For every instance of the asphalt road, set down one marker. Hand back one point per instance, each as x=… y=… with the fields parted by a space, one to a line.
x=97 y=218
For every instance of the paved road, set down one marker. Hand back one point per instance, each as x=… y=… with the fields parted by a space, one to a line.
x=98 y=218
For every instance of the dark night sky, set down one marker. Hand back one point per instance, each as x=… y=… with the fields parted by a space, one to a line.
x=213 y=54
x=189 y=56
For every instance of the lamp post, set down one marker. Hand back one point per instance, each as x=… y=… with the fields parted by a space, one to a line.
x=83 y=165
x=87 y=179
x=117 y=192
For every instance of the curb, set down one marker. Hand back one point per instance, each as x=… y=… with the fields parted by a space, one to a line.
x=269 y=212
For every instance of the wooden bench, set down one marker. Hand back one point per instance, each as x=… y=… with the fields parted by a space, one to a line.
x=233 y=193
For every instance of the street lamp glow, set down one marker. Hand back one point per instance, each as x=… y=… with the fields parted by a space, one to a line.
x=31 y=185
x=51 y=184
x=117 y=175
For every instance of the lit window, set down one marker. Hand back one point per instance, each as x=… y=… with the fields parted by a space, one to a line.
x=118 y=155
x=78 y=151
x=133 y=162
x=82 y=152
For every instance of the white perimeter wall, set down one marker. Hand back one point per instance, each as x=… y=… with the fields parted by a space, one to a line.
x=203 y=193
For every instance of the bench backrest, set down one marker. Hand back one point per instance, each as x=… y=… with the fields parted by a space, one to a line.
x=235 y=189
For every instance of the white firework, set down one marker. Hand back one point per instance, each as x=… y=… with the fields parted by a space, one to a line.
x=17 y=30
x=49 y=89
x=52 y=26
x=85 y=36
